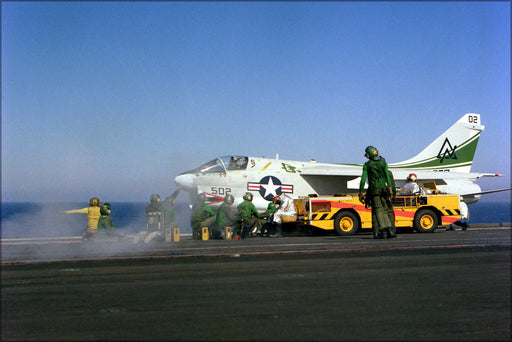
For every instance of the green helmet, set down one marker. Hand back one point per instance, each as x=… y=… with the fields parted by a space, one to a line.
x=104 y=210
x=155 y=198
x=229 y=199
x=371 y=152
x=201 y=198
x=248 y=196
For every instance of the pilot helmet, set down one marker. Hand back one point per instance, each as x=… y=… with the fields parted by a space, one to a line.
x=248 y=196
x=94 y=202
x=155 y=198
x=412 y=177
x=229 y=199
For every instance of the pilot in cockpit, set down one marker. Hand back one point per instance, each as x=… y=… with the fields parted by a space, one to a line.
x=237 y=163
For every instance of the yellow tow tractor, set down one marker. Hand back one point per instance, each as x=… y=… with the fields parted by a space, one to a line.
x=347 y=215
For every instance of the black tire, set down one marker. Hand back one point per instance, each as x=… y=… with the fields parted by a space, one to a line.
x=346 y=223
x=425 y=221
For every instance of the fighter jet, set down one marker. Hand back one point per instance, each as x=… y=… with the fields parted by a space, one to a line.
x=446 y=163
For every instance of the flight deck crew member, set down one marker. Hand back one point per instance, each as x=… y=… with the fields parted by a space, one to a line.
x=154 y=203
x=463 y=221
x=154 y=214
x=159 y=216
x=268 y=215
x=249 y=215
x=266 y=219
x=93 y=215
x=285 y=212
x=106 y=227
x=379 y=190
x=169 y=213
x=201 y=216
x=227 y=216
x=410 y=187
x=389 y=210
x=154 y=222
x=271 y=209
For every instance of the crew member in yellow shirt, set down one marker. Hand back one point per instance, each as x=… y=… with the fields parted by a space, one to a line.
x=93 y=215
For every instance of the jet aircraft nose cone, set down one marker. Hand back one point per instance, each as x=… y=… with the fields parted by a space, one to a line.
x=185 y=181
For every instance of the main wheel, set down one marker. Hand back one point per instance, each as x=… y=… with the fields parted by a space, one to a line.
x=425 y=221
x=346 y=223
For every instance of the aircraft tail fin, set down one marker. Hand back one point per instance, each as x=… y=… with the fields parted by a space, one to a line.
x=453 y=150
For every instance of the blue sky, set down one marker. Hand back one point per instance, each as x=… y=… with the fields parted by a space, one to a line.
x=114 y=99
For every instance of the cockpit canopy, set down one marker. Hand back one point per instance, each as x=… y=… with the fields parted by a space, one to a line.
x=221 y=164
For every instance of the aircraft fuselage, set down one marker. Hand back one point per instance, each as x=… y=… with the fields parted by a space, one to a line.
x=266 y=178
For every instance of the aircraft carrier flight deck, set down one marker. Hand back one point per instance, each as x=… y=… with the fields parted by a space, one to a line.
x=440 y=286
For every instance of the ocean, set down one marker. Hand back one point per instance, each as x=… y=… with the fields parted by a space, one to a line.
x=26 y=220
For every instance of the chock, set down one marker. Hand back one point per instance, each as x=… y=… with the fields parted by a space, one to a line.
x=168 y=234
x=206 y=233
x=228 y=233
x=176 y=234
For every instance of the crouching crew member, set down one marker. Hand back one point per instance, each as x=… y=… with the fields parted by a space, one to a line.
x=202 y=216
x=227 y=216
x=285 y=213
x=249 y=216
x=267 y=217
x=464 y=220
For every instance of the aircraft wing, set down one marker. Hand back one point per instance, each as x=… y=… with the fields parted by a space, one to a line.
x=348 y=170
x=488 y=192
x=329 y=178
x=332 y=170
x=427 y=175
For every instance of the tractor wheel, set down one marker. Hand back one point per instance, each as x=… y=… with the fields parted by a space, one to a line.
x=425 y=221
x=346 y=223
